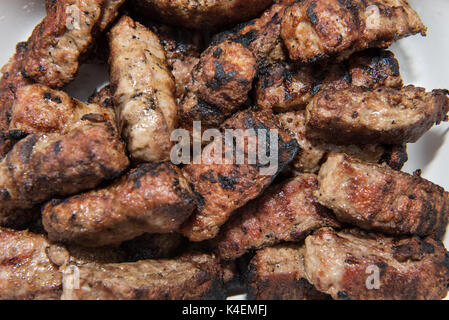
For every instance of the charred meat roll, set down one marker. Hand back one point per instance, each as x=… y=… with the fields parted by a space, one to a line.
x=41 y=166
x=54 y=48
x=285 y=86
x=314 y=152
x=384 y=115
x=191 y=276
x=375 y=197
x=144 y=90
x=153 y=198
x=284 y=213
x=351 y=264
x=220 y=84
x=317 y=29
x=261 y=35
x=222 y=188
x=12 y=79
x=278 y=273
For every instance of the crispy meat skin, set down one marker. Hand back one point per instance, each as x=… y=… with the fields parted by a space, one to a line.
x=277 y=273
x=409 y=268
x=376 y=197
x=284 y=86
x=44 y=165
x=384 y=115
x=183 y=49
x=29 y=265
x=154 y=246
x=314 y=152
x=202 y=15
x=220 y=84
x=191 y=276
x=286 y=212
x=152 y=198
x=314 y=30
x=56 y=44
x=143 y=89
x=261 y=35
x=222 y=188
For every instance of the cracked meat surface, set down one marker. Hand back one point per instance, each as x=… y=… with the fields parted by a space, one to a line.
x=285 y=86
x=385 y=115
x=223 y=188
x=153 y=198
x=277 y=273
x=201 y=15
x=375 y=197
x=340 y=263
x=286 y=212
x=44 y=165
x=314 y=152
x=314 y=30
x=144 y=90
x=220 y=85
x=189 y=277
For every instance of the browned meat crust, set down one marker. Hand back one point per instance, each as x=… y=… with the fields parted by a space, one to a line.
x=314 y=30
x=278 y=273
x=219 y=86
x=314 y=152
x=12 y=79
x=286 y=212
x=29 y=266
x=376 y=197
x=152 y=198
x=340 y=263
x=183 y=49
x=44 y=165
x=261 y=35
x=39 y=109
x=222 y=188
x=56 y=44
x=154 y=246
x=192 y=276
x=144 y=90
x=361 y=116
x=284 y=86
x=202 y=15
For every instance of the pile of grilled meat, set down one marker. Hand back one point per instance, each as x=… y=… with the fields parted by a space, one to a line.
x=87 y=190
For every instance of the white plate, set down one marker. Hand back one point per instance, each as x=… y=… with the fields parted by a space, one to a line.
x=424 y=62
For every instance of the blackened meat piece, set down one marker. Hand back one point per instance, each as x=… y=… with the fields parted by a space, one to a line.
x=351 y=264
x=222 y=188
x=375 y=197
